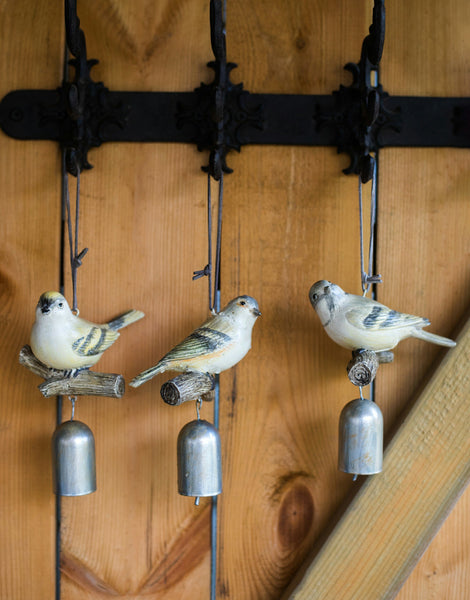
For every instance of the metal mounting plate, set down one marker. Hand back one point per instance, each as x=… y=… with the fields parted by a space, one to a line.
x=286 y=119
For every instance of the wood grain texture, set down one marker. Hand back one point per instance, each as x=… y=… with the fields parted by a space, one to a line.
x=290 y=218
x=143 y=209
x=29 y=182
x=424 y=213
x=396 y=513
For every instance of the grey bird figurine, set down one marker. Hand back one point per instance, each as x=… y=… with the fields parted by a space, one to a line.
x=358 y=322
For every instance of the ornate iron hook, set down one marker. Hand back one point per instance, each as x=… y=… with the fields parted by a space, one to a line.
x=220 y=111
x=86 y=102
x=221 y=116
x=217 y=157
x=359 y=113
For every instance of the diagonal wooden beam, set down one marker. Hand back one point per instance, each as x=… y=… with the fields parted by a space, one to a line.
x=395 y=515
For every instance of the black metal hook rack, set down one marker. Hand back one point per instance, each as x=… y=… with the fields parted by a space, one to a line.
x=357 y=119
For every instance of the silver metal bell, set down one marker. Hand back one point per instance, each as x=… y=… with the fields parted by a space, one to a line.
x=360 y=438
x=199 y=460
x=73 y=459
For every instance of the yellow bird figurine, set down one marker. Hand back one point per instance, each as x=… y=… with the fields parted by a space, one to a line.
x=358 y=322
x=62 y=340
x=215 y=346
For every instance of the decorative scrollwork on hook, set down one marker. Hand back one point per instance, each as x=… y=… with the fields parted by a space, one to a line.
x=359 y=113
x=84 y=107
x=221 y=116
x=220 y=111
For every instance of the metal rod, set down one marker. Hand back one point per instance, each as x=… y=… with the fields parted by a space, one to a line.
x=59 y=399
x=216 y=302
x=374 y=249
x=214 y=511
x=209 y=244
x=75 y=253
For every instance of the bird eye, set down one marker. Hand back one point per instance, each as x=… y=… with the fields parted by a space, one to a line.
x=242 y=303
x=315 y=296
x=61 y=305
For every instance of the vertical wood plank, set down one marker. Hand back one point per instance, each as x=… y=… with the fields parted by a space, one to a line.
x=292 y=219
x=424 y=244
x=29 y=250
x=143 y=213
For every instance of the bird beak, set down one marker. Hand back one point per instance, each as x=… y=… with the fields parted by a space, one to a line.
x=45 y=307
x=256 y=312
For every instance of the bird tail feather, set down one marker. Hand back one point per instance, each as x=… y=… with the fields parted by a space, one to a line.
x=146 y=375
x=131 y=316
x=434 y=338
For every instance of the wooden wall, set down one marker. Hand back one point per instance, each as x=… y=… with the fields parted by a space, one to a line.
x=290 y=218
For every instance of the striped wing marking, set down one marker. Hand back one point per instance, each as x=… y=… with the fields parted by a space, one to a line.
x=200 y=342
x=95 y=342
x=374 y=316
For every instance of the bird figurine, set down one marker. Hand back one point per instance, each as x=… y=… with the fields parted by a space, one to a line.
x=64 y=341
x=218 y=344
x=356 y=322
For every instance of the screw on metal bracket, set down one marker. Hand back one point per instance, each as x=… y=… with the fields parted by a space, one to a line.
x=220 y=111
x=359 y=113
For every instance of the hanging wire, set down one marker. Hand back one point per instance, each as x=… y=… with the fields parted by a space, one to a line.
x=214 y=307
x=75 y=256
x=367 y=279
x=198 y=408
x=216 y=297
x=207 y=271
x=216 y=169
x=214 y=293
x=73 y=400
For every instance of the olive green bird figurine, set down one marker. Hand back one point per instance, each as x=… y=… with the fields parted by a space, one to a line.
x=356 y=322
x=218 y=344
x=64 y=341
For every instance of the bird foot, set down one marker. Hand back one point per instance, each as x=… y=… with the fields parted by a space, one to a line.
x=68 y=373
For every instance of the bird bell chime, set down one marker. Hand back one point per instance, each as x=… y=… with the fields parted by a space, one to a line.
x=360 y=438
x=73 y=459
x=199 y=460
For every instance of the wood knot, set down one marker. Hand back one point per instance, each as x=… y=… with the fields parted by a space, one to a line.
x=300 y=42
x=295 y=516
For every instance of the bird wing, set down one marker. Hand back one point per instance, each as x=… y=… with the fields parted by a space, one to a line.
x=364 y=313
x=214 y=336
x=202 y=341
x=95 y=341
